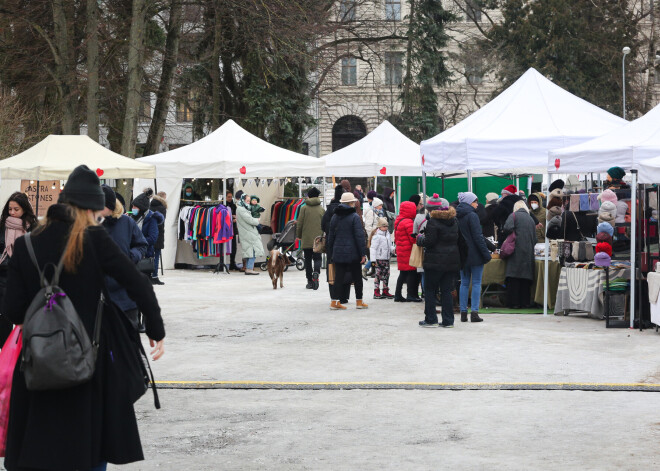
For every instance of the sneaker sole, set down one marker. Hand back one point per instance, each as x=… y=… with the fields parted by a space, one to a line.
x=429 y=326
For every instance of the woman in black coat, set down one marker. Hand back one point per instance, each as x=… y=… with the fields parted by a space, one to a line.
x=85 y=426
x=345 y=289
x=442 y=261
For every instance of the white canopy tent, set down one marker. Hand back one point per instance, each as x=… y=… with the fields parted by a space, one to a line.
x=649 y=170
x=514 y=132
x=228 y=152
x=55 y=157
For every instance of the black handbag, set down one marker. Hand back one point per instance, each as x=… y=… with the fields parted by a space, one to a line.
x=146 y=265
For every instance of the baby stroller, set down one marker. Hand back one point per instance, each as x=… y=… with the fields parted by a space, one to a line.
x=285 y=242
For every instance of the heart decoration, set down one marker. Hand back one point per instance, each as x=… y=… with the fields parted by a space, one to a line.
x=423 y=160
x=243 y=170
x=99 y=172
x=557 y=163
x=383 y=171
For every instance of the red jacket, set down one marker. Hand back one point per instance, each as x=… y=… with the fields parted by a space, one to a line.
x=403 y=229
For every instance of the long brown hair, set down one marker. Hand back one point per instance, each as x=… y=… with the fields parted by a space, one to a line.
x=73 y=253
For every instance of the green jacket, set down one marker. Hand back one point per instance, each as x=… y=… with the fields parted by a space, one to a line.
x=248 y=235
x=540 y=214
x=308 y=226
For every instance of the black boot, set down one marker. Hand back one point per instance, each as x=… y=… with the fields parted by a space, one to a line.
x=463 y=316
x=474 y=317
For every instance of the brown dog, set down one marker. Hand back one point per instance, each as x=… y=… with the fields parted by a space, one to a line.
x=276 y=266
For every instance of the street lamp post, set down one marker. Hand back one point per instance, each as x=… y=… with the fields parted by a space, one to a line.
x=626 y=51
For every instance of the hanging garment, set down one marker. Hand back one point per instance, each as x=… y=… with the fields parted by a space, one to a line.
x=584 y=202
x=593 y=202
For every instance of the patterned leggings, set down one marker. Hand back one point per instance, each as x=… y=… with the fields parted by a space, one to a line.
x=382 y=273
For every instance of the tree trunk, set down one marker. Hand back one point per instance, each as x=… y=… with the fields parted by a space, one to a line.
x=407 y=105
x=65 y=65
x=92 y=70
x=134 y=75
x=215 y=68
x=164 y=92
x=650 y=85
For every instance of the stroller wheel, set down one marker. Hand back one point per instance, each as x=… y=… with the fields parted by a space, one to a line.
x=300 y=264
x=263 y=266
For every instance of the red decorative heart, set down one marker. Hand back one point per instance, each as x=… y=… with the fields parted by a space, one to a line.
x=557 y=163
x=423 y=160
x=383 y=171
x=99 y=172
x=243 y=170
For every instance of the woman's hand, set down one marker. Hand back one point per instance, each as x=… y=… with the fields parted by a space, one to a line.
x=159 y=351
x=364 y=260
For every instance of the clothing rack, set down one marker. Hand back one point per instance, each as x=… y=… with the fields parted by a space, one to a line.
x=222 y=266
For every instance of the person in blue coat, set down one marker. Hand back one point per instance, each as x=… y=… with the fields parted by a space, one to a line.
x=147 y=221
x=128 y=236
x=477 y=254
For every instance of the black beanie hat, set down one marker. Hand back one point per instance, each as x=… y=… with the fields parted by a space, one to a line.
x=313 y=192
x=83 y=189
x=533 y=197
x=556 y=184
x=142 y=202
x=415 y=199
x=110 y=197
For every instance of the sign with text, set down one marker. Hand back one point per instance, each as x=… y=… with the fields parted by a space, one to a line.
x=49 y=191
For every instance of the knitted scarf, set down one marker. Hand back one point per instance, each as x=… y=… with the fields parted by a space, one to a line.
x=13 y=230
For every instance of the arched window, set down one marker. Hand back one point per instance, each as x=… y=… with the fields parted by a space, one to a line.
x=346 y=131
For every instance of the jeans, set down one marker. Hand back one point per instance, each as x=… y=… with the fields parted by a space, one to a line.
x=434 y=280
x=475 y=273
x=355 y=269
x=100 y=467
x=311 y=257
x=156 y=260
x=250 y=263
x=410 y=278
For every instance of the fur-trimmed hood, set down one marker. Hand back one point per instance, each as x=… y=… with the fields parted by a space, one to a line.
x=443 y=215
x=160 y=200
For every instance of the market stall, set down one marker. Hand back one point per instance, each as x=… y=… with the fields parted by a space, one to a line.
x=228 y=152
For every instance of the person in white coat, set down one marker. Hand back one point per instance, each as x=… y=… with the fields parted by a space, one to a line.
x=380 y=252
x=372 y=213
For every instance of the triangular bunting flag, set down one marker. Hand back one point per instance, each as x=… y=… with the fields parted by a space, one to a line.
x=270 y=181
x=243 y=181
x=257 y=181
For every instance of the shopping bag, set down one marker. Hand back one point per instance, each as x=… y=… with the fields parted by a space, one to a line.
x=416 y=257
x=8 y=358
x=319 y=244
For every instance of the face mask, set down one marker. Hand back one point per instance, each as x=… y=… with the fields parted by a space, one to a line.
x=535 y=206
x=135 y=211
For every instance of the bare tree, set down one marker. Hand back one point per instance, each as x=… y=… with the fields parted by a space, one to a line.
x=93 y=69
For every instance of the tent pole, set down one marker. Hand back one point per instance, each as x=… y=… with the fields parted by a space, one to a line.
x=37 y=210
x=325 y=203
x=518 y=182
x=399 y=193
x=155 y=186
x=424 y=187
x=443 y=185
x=299 y=188
x=633 y=240
x=376 y=183
x=469 y=180
x=546 y=282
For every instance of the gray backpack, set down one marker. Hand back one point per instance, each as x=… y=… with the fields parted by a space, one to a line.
x=57 y=352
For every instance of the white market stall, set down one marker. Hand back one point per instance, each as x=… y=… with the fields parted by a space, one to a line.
x=228 y=152
x=55 y=157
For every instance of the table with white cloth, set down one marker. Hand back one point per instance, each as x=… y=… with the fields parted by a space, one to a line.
x=653 y=279
x=581 y=289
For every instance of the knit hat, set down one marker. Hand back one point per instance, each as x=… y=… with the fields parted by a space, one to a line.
x=110 y=197
x=83 y=189
x=492 y=197
x=313 y=192
x=556 y=193
x=255 y=197
x=435 y=202
x=415 y=199
x=371 y=195
x=141 y=202
x=608 y=195
x=347 y=198
x=604 y=237
x=607 y=212
x=605 y=227
x=533 y=197
x=376 y=202
x=604 y=247
x=554 y=211
x=520 y=205
x=621 y=211
x=382 y=222
x=555 y=202
x=509 y=190
x=557 y=184
x=617 y=173
x=467 y=197
x=601 y=259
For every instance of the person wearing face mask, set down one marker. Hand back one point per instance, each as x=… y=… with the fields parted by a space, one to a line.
x=148 y=221
x=188 y=193
x=535 y=202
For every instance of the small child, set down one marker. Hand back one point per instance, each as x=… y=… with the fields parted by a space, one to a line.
x=381 y=250
x=256 y=210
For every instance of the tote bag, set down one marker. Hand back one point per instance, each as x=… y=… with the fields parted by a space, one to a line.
x=509 y=244
x=416 y=257
x=8 y=358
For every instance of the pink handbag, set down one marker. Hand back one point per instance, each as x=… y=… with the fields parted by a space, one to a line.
x=509 y=244
x=8 y=358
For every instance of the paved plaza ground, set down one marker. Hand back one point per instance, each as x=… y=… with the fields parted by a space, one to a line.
x=237 y=328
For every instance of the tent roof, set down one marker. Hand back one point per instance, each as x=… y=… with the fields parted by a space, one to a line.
x=514 y=132
x=624 y=147
x=232 y=152
x=384 y=151
x=55 y=157
x=649 y=170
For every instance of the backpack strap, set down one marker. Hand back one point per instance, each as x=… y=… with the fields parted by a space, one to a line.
x=54 y=281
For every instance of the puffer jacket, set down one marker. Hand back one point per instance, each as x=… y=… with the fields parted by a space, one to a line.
x=371 y=215
x=381 y=246
x=403 y=230
x=441 y=249
x=150 y=230
x=346 y=241
x=468 y=221
x=159 y=205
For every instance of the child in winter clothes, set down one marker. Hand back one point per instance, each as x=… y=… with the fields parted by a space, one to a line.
x=256 y=209
x=381 y=250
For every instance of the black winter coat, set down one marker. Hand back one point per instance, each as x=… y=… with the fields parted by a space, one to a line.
x=468 y=221
x=503 y=211
x=346 y=242
x=441 y=242
x=79 y=427
x=327 y=217
x=159 y=205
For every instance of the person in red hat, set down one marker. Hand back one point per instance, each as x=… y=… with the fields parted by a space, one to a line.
x=509 y=198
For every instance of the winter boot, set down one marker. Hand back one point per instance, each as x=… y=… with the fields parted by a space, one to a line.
x=360 y=305
x=315 y=280
x=310 y=285
x=335 y=306
x=386 y=294
x=377 y=294
x=463 y=316
x=474 y=317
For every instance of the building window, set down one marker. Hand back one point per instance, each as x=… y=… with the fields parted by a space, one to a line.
x=305 y=148
x=349 y=71
x=144 y=114
x=393 y=10
x=473 y=10
x=346 y=131
x=474 y=74
x=347 y=10
x=393 y=68
x=183 y=112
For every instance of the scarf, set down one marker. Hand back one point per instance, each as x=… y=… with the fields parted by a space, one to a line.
x=13 y=230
